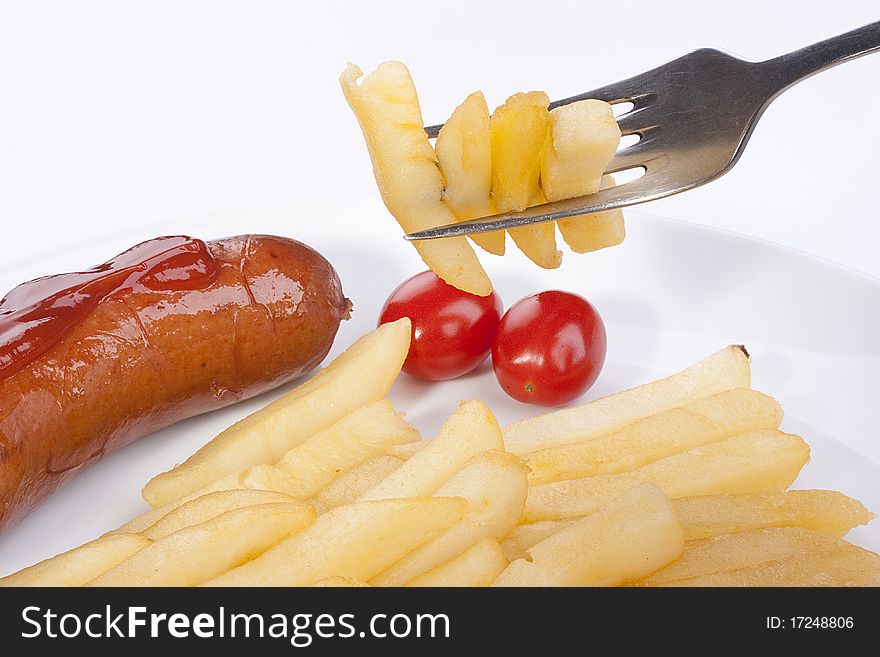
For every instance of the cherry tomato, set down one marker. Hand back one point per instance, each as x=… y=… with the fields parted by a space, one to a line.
x=549 y=348
x=452 y=330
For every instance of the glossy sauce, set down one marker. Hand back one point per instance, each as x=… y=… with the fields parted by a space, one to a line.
x=36 y=315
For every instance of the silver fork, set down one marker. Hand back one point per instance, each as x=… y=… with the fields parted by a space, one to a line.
x=694 y=117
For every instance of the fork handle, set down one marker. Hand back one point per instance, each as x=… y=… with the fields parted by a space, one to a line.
x=789 y=69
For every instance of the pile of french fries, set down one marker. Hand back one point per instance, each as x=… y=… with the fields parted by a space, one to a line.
x=680 y=482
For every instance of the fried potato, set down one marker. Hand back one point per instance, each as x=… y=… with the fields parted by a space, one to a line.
x=702 y=421
x=843 y=565
x=628 y=538
x=826 y=511
x=260 y=477
x=470 y=430
x=350 y=486
x=759 y=461
x=723 y=370
x=495 y=487
x=312 y=466
x=741 y=550
x=479 y=565
x=600 y=230
x=229 y=483
x=358 y=540
x=341 y=582
x=464 y=154
x=79 y=565
x=362 y=374
x=518 y=541
x=195 y=554
x=582 y=140
x=518 y=131
x=206 y=507
x=309 y=468
x=405 y=167
x=406 y=450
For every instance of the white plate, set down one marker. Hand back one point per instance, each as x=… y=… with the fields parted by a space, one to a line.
x=671 y=294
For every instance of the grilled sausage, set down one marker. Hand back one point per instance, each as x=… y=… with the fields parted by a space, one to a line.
x=187 y=328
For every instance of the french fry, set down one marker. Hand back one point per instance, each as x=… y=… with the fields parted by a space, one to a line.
x=360 y=375
x=518 y=541
x=699 y=422
x=406 y=450
x=470 y=430
x=741 y=550
x=313 y=465
x=344 y=489
x=479 y=565
x=495 y=487
x=582 y=140
x=228 y=484
x=518 y=131
x=464 y=154
x=341 y=582
x=206 y=507
x=826 y=511
x=358 y=541
x=755 y=462
x=843 y=565
x=405 y=166
x=350 y=486
x=195 y=554
x=626 y=539
x=600 y=230
x=79 y=565
x=723 y=370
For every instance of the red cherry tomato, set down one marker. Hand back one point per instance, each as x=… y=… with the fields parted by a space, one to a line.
x=452 y=330
x=549 y=348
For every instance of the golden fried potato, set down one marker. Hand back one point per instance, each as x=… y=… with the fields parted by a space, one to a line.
x=702 y=421
x=470 y=430
x=741 y=550
x=195 y=554
x=518 y=541
x=759 y=461
x=310 y=467
x=81 y=564
x=518 y=130
x=626 y=539
x=843 y=565
x=582 y=141
x=599 y=230
x=350 y=486
x=723 y=370
x=204 y=508
x=357 y=541
x=464 y=155
x=479 y=565
x=495 y=487
x=826 y=511
x=405 y=166
x=340 y=582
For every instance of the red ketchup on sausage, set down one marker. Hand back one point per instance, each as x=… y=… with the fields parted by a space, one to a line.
x=36 y=315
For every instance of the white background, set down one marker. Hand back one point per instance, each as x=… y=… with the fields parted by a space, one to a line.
x=121 y=115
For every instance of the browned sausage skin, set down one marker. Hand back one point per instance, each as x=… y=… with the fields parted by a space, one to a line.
x=144 y=358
